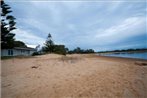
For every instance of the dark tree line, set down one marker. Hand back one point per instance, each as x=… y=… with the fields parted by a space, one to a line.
x=125 y=50
x=81 y=51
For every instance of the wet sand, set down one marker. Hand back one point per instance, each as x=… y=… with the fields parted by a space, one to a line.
x=74 y=76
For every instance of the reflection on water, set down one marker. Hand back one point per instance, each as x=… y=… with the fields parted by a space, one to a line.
x=141 y=55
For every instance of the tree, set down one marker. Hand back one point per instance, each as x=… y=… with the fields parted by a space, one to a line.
x=7 y=25
x=49 y=44
x=37 y=47
x=79 y=50
x=19 y=44
x=60 y=49
x=89 y=51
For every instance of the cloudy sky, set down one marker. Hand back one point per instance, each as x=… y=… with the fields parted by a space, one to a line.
x=100 y=25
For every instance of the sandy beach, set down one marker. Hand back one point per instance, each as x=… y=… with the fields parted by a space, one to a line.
x=73 y=76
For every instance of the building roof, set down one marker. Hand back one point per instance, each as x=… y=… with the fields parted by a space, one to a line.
x=24 y=48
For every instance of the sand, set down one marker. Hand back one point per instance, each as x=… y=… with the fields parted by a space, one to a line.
x=74 y=76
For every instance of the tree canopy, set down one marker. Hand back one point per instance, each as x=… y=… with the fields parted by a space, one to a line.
x=19 y=44
x=51 y=47
x=81 y=51
x=49 y=44
x=7 y=25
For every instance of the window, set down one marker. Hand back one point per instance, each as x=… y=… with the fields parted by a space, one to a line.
x=10 y=52
x=28 y=51
x=22 y=51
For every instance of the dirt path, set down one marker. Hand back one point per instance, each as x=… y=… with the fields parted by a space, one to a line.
x=76 y=76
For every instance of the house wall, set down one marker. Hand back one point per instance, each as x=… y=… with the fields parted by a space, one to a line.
x=4 y=52
x=16 y=52
x=21 y=52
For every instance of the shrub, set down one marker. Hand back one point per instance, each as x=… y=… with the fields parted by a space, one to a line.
x=35 y=53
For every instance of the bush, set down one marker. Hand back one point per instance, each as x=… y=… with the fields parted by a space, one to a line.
x=35 y=53
x=60 y=49
x=80 y=51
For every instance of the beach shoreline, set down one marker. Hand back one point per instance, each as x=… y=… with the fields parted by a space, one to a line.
x=120 y=58
x=74 y=76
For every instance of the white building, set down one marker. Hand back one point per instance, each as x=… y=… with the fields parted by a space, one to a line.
x=18 y=51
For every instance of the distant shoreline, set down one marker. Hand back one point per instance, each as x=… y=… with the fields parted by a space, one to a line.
x=124 y=51
x=118 y=58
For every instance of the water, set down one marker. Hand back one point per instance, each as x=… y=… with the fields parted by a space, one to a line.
x=140 y=55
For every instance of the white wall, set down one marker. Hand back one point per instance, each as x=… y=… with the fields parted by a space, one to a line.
x=16 y=52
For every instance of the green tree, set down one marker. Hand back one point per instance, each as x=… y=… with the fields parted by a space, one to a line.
x=49 y=44
x=19 y=44
x=60 y=49
x=77 y=50
x=7 y=25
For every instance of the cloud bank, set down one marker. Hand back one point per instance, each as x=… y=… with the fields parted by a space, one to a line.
x=97 y=25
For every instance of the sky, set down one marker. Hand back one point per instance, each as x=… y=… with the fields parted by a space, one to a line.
x=98 y=25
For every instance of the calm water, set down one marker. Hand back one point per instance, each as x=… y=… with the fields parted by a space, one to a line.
x=141 y=55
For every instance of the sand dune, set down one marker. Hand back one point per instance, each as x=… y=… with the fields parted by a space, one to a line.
x=74 y=76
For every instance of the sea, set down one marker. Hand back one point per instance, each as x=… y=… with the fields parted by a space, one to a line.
x=139 y=55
